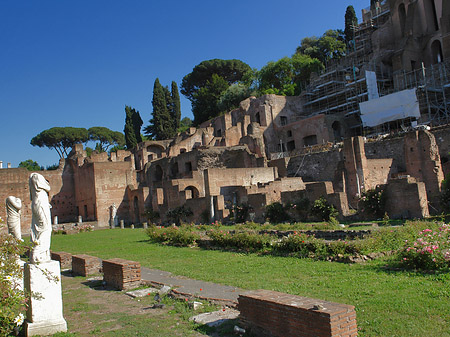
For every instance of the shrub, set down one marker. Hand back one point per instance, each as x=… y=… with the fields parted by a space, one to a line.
x=246 y=240
x=445 y=194
x=323 y=210
x=179 y=214
x=174 y=236
x=12 y=298
x=373 y=202
x=430 y=251
x=276 y=213
x=241 y=212
x=308 y=246
x=301 y=207
x=151 y=215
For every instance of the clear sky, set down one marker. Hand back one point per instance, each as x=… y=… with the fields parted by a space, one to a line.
x=79 y=62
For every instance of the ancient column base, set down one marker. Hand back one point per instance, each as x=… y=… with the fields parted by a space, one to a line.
x=45 y=310
x=45 y=328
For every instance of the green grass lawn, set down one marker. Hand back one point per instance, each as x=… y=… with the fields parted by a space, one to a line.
x=388 y=303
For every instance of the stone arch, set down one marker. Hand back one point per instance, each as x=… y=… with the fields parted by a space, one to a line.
x=436 y=52
x=336 y=126
x=192 y=191
x=158 y=173
x=155 y=150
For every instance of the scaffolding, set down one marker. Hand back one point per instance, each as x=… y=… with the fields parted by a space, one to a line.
x=342 y=86
x=433 y=91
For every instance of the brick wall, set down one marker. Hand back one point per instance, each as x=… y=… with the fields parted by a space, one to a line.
x=122 y=274
x=85 y=265
x=65 y=259
x=270 y=313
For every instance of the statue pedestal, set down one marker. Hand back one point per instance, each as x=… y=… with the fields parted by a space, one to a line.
x=45 y=311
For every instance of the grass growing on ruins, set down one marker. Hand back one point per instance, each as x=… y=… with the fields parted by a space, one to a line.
x=388 y=302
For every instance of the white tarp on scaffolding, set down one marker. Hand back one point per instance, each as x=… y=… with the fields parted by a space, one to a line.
x=372 y=87
x=400 y=105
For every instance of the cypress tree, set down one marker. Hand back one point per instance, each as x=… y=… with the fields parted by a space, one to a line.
x=161 y=124
x=350 y=21
x=137 y=124
x=131 y=122
x=176 y=106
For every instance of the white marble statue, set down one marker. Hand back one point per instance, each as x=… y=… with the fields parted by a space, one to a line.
x=13 y=210
x=113 y=215
x=41 y=225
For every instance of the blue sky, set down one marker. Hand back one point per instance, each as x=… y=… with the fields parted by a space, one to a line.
x=78 y=63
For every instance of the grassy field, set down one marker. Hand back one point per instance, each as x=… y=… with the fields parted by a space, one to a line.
x=388 y=302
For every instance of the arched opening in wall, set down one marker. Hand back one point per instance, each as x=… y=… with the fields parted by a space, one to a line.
x=436 y=52
x=136 y=209
x=402 y=18
x=336 y=126
x=191 y=192
x=155 y=150
x=258 y=118
x=158 y=173
x=173 y=170
x=431 y=14
x=310 y=140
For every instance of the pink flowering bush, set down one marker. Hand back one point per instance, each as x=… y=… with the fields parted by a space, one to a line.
x=430 y=251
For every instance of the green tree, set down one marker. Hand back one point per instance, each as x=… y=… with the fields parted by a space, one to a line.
x=161 y=124
x=233 y=95
x=351 y=21
x=330 y=45
x=132 y=129
x=208 y=80
x=287 y=76
x=30 y=165
x=106 y=138
x=60 y=139
x=206 y=99
x=185 y=124
x=176 y=106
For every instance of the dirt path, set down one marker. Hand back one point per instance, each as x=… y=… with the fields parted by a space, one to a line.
x=91 y=310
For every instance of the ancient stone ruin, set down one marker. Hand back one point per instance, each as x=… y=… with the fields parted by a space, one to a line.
x=275 y=148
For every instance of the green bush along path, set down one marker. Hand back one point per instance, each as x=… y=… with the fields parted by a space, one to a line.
x=388 y=302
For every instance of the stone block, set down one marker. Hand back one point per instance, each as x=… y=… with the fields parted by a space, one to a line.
x=270 y=313
x=65 y=259
x=122 y=274
x=44 y=313
x=85 y=265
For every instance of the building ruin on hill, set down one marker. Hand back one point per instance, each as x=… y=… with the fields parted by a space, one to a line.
x=276 y=148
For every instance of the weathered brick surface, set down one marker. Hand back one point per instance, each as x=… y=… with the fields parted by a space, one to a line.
x=85 y=265
x=65 y=259
x=122 y=274
x=270 y=313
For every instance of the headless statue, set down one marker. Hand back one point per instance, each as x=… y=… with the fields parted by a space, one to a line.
x=41 y=227
x=13 y=210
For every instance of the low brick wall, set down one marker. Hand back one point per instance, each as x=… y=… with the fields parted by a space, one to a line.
x=269 y=313
x=85 y=265
x=122 y=274
x=65 y=259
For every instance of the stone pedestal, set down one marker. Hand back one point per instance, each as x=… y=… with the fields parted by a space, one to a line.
x=45 y=310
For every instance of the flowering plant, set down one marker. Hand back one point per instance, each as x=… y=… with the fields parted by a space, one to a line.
x=430 y=251
x=373 y=202
x=85 y=228
x=12 y=297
